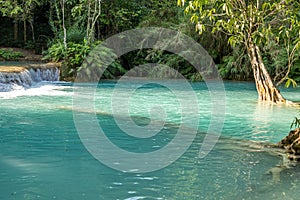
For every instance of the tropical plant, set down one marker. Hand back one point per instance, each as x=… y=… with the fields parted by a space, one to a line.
x=101 y=63
x=74 y=56
x=55 y=53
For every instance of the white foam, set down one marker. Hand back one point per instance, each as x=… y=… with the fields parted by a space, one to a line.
x=9 y=87
x=39 y=89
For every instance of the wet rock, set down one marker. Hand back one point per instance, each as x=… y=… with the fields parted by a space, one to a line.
x=27 y=75
x=291 y=144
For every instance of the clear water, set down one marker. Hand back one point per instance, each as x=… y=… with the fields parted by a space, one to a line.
x=42 y=156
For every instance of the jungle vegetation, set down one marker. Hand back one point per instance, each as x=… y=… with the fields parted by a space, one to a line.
x=255 y=40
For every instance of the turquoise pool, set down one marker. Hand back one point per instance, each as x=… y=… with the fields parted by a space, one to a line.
x=42 y=156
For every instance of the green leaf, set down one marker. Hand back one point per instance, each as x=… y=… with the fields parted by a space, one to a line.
x=289 y=82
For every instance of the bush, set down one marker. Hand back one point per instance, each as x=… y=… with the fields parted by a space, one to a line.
x=55 y=53
x=10 y=54
x=73 y=57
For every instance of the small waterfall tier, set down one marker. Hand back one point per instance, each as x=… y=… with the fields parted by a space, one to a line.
x=12 y=77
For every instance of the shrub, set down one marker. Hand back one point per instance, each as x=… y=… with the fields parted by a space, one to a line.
x=55 y=53
x=73 y=57
x=10 y=54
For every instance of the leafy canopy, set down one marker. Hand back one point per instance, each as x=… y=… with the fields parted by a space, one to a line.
x=242 y=20
x=15 y=8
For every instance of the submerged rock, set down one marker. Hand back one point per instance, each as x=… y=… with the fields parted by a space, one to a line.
x=291 y=143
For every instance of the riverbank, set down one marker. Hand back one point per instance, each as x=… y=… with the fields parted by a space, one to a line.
x=23 y=54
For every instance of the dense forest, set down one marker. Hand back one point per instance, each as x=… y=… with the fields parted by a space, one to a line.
x=67 y=30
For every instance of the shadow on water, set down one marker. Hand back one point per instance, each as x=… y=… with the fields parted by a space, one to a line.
x=234 y=169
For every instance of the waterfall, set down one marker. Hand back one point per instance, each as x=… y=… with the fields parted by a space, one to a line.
x=12 y=77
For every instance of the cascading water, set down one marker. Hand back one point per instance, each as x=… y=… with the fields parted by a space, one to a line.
x=25 y=77
x=46 y=74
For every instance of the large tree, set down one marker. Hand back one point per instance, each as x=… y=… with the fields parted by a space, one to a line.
x=251 y=23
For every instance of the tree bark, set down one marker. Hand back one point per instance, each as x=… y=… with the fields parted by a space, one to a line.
x=264 y=85
x=16 y=31
x=63 y=23
x=32 y=29
x=25 y=31
x=94 y=12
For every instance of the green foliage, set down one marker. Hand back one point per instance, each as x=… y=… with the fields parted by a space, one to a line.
x=249 y=23
x=236 y=66
x=295 y=71
x=30 y=45
x=282 y=58
x=10 y=8
x=121 y=15
x=166 y=14
x=100 y=63
x=75 y=35
x=74 y=56
x=275 y=58
x=241 y=19
x=10 y=54
x=55 y=53
x=221 y=23
x=181 y=65
x=165 y=61
x=290 y=81
x=71 y=58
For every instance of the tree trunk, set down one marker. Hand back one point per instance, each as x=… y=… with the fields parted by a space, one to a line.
x=25 y=30
x=264 y=85
x=16 y=27
x=94 y=12
x=32 y=29
x=63 y=23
